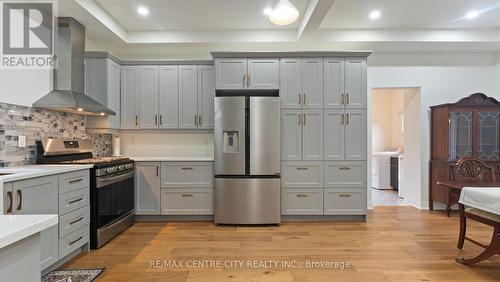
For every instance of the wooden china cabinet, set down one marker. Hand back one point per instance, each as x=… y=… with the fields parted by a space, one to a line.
x=468 y=128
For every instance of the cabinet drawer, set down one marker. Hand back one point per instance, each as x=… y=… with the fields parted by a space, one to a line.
x=187 y=174
x=74 y=220
x=302 y=201
x=302 y=174
x=345 y=174
x=73 y=181
x=71 y=201
x=193 y=201
x=345 y=201
x=73 y=241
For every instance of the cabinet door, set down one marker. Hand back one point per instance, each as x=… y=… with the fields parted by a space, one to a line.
x=230 y=73
x=291 y=135
x=312 y=83
x=147 y=188
x=40 y=196
x=148 y=94
x=206 y=94
x=312 y=135
x=129 y=101
x=488 y=134
x=291 y=83
x=334 y=135
x=168 y=97
x=114 y=93
x=334 y=83
x=355 y=135
x=263 y=74
x=460 y=134
x=355 y=83
x=188 y=97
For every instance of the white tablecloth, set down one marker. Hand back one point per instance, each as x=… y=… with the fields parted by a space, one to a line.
x=483 y=198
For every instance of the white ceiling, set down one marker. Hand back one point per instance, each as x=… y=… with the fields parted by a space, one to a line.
x=193 y=28
x=412 y=14
x=195 y=14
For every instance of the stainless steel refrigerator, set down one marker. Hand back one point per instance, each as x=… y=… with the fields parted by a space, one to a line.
x=247 y=157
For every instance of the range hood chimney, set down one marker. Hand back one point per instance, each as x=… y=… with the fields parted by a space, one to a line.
x=68 y=95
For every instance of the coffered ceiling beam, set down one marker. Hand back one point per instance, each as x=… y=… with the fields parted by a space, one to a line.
x=313 y=16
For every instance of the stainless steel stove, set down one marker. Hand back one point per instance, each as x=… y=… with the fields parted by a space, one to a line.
x=111 y=185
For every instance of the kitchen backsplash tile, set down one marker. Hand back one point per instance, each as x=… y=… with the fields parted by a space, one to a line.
x=36 y=124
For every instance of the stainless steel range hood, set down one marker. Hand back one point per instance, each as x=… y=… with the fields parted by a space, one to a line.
x=68 y=95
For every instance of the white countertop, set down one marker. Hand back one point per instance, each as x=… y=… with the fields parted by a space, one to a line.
x=32 y=171
x=175 y=159
x=14 y=228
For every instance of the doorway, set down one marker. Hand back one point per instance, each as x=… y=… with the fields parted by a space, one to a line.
x=396 y=147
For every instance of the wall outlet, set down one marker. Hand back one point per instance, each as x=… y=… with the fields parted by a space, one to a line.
x=21 y=143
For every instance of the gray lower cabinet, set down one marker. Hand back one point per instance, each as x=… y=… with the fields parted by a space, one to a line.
x=187 y=201
x=302 y=201
x=187 y=174
x=345 y=201
x=302 y=174
x=345 y=174
x=147 y=188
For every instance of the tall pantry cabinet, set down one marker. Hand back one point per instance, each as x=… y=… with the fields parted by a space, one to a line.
x=324 y=135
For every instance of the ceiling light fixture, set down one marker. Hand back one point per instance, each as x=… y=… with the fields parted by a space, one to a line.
x=472 y=15
x=284 y=13
x=375 y=14
x=143 y=11
x=268 y=11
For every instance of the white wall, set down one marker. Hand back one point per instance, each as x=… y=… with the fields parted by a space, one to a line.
x=412 y=170
x=23 y=87
x=386 y=123
x=458 y=78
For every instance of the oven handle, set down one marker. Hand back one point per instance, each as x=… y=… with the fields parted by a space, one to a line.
x=103 y=181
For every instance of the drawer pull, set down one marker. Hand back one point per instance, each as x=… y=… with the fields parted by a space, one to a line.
x=302 y=196
x=187 y=195
x=75 y=181
x=302 y=168
x=344 y=168
x=74 y=241
x=76 y=221
x=345 y=195
x=9 y=194
x=187 y=168
x=75 y=201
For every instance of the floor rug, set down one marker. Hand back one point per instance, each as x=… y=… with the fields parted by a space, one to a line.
x=73 y=275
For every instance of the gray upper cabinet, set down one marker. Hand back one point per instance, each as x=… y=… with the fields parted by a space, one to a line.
x=312 y=83
x=188 y=96
x=312 y=135
x=102 y=82
x=355 y=83
x=334 y=83
x=206 y=94
x=302 y=135
x=334 y=135
x=148 y=92
x=301 y=83
x=168 y=97
x=242 y=73
x=147 y=188
x=39 y=196
x=291 y=135
x=130 y=81
x=263 y=74
x=355 y=135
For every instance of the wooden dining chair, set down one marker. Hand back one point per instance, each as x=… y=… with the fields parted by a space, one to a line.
x=473 y=170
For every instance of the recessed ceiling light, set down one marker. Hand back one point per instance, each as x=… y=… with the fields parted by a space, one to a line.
x=375 y=14
x=268 y=11
x=80 y=109
x=143 y=11
x=472 y=15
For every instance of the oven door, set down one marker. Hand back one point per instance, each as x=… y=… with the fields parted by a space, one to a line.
x=115 y=197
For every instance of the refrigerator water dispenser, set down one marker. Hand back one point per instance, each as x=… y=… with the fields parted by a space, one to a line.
x=230 y=142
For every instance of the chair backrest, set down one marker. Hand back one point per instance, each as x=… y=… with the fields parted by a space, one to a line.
x=473 y=170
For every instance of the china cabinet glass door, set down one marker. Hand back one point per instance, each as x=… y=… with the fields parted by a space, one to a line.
x=488 y=131
x=460 y=143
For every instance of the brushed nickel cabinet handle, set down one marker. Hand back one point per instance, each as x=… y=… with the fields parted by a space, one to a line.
x=300 y=119
x=344 y=168
x=161 y=119
x=195 y=120
x=156 y=119
x=157 y=171
x=302 y=196
x=302 y=168
x=136 y=120
x=75 y=181
x=304 y=119
x=305 y=101
x=76 y=221
x=347 y=101
x=243 y=80
x=199 y=120
x=248 y=80
x=9 y=195
x=300 y=99
x=187 y=168
x=20 y=195
x=347 y=119
x=187 y=195
x=345 y=195
x=74 y=241
x=75 y=201
x=342 y=120
x=342 y=99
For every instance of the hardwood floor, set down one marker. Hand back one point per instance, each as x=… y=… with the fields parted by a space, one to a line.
x=396 y=244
